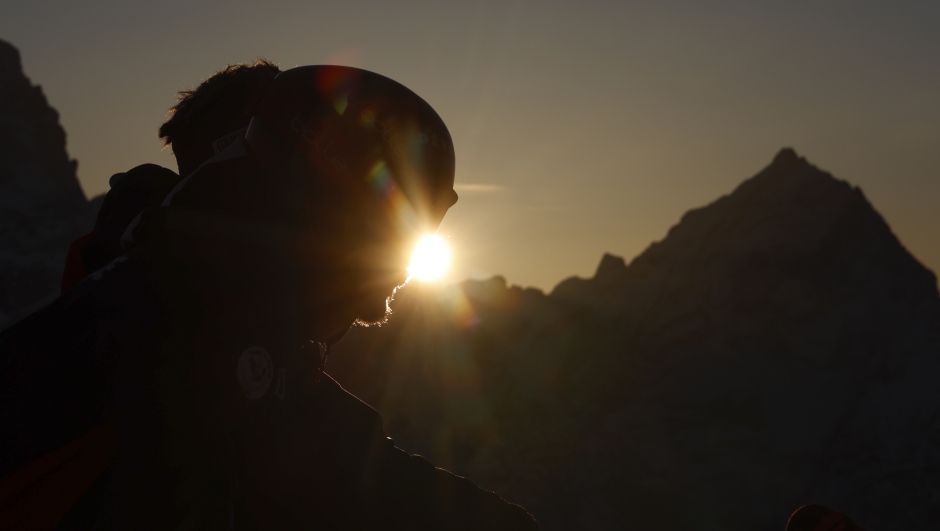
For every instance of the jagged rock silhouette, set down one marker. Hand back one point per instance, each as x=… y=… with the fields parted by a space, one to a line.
x=42 y=205
x=778 y=347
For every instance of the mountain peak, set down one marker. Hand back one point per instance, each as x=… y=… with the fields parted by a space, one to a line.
x=786 y=158
x=10 y=66
x=789 y=220
x=611 y=270
x=780 y=332
x=38 y=189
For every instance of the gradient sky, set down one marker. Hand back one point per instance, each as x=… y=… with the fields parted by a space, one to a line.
x=580 y=127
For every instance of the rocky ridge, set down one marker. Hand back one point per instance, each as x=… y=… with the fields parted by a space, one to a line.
x=778 y=347
x=42 y=204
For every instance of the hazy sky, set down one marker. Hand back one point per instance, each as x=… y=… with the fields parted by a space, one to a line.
x=580 y=127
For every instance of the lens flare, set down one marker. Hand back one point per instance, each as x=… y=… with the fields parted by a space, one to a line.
x=431 y=258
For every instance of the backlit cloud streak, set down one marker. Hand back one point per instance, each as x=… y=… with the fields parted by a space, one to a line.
x=479 y=187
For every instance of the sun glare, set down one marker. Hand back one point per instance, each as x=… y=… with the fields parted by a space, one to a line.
x=431 y=258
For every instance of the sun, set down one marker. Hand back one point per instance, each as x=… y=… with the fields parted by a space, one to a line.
x=430 y=259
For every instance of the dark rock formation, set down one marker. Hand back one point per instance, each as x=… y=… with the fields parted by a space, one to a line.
x=42 y=206
x=778 y=347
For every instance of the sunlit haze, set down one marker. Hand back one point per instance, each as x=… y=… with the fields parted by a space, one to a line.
x=430 y=259
x=579 y=127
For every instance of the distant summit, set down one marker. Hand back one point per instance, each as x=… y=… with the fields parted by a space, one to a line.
x=778 y=347
x=42 y=206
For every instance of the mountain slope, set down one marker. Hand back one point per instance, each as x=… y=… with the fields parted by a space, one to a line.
x=778 y=347
x=41 y=203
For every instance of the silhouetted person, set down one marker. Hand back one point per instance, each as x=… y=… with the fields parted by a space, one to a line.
x=215 y=323
x=818 y=518
x=56 y=392
x=275 y=246
x=202 y=123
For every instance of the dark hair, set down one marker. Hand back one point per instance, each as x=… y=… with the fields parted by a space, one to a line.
x=808 y=518
x=217 y=107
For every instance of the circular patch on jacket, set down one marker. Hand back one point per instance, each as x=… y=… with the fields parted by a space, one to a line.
x=255 y=372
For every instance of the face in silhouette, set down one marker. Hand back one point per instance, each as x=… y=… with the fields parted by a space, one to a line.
x=363 y=242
